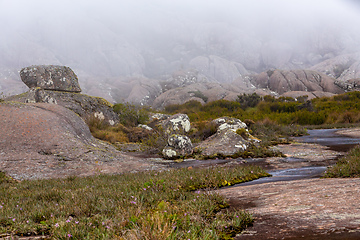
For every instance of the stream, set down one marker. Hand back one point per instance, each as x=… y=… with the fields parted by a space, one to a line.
x=324 y=137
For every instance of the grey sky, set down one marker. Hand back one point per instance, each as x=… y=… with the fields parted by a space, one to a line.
x=74 y=31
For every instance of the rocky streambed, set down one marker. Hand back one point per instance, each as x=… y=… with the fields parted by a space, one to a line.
x=295 y=203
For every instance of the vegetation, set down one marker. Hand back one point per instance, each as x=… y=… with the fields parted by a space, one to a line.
x=347 y=166
x=2 y=96
x=104 y=131
x=199 y=94
x=248 y=100
x=342 y=108
x=149 y=205
x=131 y=115
x=272 y=120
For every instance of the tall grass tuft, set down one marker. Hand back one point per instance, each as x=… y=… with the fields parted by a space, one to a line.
x=347 y=166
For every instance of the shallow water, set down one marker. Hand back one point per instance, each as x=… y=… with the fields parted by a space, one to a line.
x=325 y=137
x=289 y=175
x=329 y=138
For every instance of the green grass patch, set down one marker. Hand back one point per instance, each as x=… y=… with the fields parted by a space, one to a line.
x=173 y=204
x=347 y=166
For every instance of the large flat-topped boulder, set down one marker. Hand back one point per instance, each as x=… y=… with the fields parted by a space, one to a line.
x=50 y=77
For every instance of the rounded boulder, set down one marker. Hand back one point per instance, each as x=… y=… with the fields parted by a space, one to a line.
x=50 y=77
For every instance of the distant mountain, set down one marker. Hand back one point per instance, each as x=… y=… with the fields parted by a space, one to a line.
x=134 y=51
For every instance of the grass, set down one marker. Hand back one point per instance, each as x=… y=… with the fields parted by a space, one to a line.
x=173 y=204
x=272 y=133
x=347 y=166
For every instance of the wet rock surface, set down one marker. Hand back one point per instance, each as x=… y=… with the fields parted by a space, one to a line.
x=306 y=208
x=302 y=209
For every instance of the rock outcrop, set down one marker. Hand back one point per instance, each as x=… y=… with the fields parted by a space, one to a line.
x=202 y=92
x=85 y=106
x=176 y=124
x=281 y=81
x=225 y=123
x=50 y=77
x=177 y=146
x=47 y=140
x=173 y=130
x=231 y=137
x=218 y=69
x=59 y=85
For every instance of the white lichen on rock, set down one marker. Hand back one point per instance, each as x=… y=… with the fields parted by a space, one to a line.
x=145 y=127
x=169 y=153
x=184 y=123
x=225 y=123
x=179 y=123
x=99 y=115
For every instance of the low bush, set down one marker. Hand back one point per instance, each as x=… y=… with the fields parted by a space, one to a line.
x=102 y=130
x=248 y=100
x=131 y=115
x=201 y=130
x=199 y=94
x=272 y=133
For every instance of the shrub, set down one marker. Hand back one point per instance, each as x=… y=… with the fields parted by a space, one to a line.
x=271 y=132
x=248 y=100
x=102 y=130
x=131 y=115
x=199 y=94
x=348 y=166
x=243 y=133
x=156 y=140
x=201 y=130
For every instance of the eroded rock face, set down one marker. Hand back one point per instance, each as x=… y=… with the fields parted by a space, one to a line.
x=281 y=81
x=310 y=95
x=178 y=145
x=50 y=77
x=202 y=92
x=218 y=69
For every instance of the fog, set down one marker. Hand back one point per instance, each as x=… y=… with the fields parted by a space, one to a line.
x=110 y=39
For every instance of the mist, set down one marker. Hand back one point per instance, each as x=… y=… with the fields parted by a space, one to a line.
x=106 y=41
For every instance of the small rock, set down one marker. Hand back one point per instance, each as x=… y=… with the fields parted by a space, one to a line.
x=178 y=145
x=177 y=124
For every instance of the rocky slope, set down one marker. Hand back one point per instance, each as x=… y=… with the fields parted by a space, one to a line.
x=47 y=140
